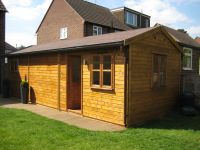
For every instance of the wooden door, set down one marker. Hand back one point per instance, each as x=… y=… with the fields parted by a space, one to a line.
x=74 y=83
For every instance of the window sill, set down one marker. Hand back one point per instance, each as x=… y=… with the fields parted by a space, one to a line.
x=132 y=25
x=104 y=89
x=188 y=69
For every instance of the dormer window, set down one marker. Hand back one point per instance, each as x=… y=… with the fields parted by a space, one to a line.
x=97 y=30
x=131 y=19
x=63 y=33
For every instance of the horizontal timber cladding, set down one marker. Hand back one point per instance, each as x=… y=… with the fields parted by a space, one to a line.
x=102 y=104
x=41 y=71
x=146 y=103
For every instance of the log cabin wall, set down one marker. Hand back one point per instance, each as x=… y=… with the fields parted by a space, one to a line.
x=41 y=71
x=102 y=104
x=145 y=102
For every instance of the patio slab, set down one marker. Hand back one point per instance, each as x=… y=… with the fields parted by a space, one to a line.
x=66 y=117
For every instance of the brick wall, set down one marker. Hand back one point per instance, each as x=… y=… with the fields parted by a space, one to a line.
x=60 y=15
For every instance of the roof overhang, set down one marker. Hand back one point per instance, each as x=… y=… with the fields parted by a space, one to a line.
x=151 y=32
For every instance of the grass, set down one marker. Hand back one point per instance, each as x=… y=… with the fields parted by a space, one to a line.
x=22 y=130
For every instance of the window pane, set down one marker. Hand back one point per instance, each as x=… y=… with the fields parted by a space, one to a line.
x=131 y=18
x=96 y=62
x=107 y=78
x=155 y=79
x=187 y=51
x=155 y=65
x=96 y=78
x=187 y=62
x=99 y=31
x=106 y=62
x=162 y=64
x=162 y=78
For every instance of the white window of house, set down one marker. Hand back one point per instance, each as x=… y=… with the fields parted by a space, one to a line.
x=187 y=59
x=97 y=30
x=63 y=33
x=131 y=18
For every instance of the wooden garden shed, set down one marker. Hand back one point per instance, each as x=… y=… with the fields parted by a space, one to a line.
x=124 y=78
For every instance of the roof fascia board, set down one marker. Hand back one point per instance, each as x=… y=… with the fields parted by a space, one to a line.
x=72 y=49
x=134 y=11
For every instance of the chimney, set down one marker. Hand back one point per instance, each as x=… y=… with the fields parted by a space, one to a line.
x=182 y=30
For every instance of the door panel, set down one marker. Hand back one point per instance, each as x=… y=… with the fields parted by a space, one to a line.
x=74 y=83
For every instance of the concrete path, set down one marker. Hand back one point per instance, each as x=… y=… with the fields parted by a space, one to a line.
x=66 y=117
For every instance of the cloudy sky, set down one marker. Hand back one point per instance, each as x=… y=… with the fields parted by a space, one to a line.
x=25 y=15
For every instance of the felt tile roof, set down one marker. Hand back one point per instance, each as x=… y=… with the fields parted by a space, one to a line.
x=91 y=41
x=96 y=14
x=2 y=7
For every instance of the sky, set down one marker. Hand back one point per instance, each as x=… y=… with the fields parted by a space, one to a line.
x=24 y=16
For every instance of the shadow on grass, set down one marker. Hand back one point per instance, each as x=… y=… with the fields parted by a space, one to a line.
x=175 y=121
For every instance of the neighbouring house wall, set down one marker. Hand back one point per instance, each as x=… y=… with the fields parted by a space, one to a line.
x=2 y=45
x=89 y=29
x=102 y=104
x=60 y=15
x=191 y=78
x=41 y=71
x=2 y=32
x=146 y=103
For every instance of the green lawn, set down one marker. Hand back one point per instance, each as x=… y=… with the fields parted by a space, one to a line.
x=22 y=130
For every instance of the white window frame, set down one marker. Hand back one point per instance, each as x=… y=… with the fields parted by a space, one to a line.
x=96 y=29
x=188 y=55
x=63 y=33
x=134 y=19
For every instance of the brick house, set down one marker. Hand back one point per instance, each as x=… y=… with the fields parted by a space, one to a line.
x=76 y=19
x=197 y=39
x=190 y=60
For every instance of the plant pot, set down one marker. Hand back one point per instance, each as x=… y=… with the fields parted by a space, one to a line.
x=24 y=94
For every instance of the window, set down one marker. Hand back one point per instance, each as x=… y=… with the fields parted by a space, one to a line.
x=187 y=59
x=14 y=65
x=63 y=33
x=159 y=70
x=97 y=30
x=102 y=72
x=131 y=19
x=146 y=23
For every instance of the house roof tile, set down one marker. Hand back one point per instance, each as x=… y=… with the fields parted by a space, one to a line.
x=96 y=14
x=90 y=41
x=182 y=38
